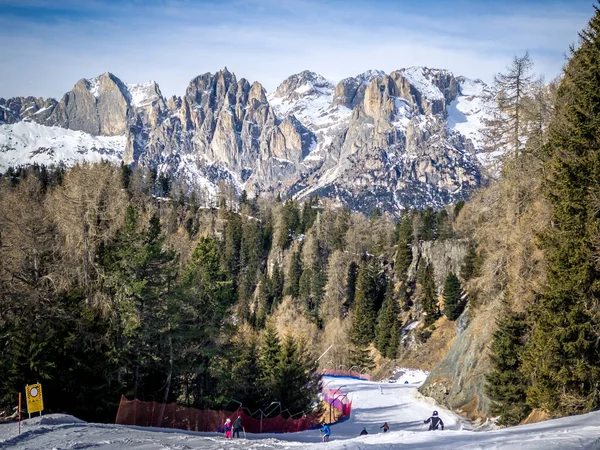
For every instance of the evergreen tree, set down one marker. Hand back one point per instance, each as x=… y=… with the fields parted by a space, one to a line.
x=294 y=274
x=387 y=329
x=269 y=365
x=453 y=305
x=470 y=265
x=290 y=223
x=506 y=385
x=427 y=232
x=305 y=293
x=276 y=286
x=363 y=315
x=443 y=224
x=429 y=301
x=299 y=384
x=404 y=249
x=563 y=356
x=351 y=283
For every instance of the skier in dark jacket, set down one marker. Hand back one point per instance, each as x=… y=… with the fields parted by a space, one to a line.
x=434 y=422
x=237 y=427
x=385 y=427
x=363 y=432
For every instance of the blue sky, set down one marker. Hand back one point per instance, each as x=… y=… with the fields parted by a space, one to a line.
x=46 y=46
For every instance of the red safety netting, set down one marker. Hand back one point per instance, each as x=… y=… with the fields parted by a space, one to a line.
x=339 y=400
x=347 y=373
x=153 y=414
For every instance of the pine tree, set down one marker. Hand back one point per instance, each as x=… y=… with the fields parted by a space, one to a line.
x=427 y=232
x=453 y=306
x=563 y=356
x=470 y=265
x=270 y=352
x=429 y=301
x=363 y=315
x=294 y=274
x=506 y=385
x=404 y=249
x=351 y=284
x=387 y=329
x=298 y=383
x=305 y=293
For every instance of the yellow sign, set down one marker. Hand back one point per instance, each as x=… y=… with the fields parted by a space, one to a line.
x=35 y=402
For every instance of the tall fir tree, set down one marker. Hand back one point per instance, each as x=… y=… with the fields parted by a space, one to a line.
x=363 y=315
x=453 y=305
x=563 y=356
x=387 y=329
x=506 y=384
x=429 y=301
x=294 y=274
x=404 y=249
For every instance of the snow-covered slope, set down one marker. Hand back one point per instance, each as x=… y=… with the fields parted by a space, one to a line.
x=400 y=405
x=29 y=142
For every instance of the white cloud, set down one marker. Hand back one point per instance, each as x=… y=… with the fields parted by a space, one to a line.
x=264 y=40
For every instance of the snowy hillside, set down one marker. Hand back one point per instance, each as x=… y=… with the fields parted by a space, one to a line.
x=30 y=143
x=398 y=404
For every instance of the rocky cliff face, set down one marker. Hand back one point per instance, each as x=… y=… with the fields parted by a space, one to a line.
x=387 y=140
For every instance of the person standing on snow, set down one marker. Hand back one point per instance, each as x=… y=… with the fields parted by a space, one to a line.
x=363 y=432
x=228 y=429
x=434 y=422
x=385 y=427
x=237 y=427
x=327 y=432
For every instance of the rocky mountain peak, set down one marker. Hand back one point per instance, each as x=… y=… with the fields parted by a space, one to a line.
x=303 y=84
x=405 y=139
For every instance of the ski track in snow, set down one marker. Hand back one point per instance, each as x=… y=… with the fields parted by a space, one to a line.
x=400 y=405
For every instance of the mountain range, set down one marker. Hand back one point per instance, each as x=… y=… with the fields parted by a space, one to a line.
x=409 y=138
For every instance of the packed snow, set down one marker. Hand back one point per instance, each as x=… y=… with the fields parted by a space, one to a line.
x=398 y=404
x=26 y=143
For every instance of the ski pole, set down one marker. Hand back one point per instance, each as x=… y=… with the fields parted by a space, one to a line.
x=244 y=432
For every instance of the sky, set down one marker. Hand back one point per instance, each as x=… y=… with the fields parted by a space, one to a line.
x=47 y=45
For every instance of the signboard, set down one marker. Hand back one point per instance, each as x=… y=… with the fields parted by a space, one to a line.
x=35 y=401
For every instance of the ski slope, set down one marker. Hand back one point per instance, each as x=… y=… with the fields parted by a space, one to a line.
x=400 y=405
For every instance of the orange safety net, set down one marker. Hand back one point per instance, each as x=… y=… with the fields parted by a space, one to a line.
x=171 y=415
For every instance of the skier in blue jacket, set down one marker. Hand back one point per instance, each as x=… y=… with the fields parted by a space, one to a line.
x=327 y=432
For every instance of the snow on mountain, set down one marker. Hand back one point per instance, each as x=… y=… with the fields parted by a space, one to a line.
x=143 y=94
x=93 y=85
x=467 y=114
x=420 y=78
x=308 y=96
x=26 y=143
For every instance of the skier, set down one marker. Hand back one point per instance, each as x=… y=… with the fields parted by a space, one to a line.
x=228 y=429
x=327 y=432
x=364 y=432
x=434 y=421
x=385 y=427
x=237 y=427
